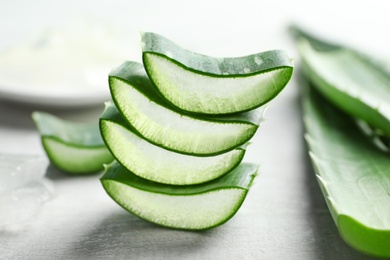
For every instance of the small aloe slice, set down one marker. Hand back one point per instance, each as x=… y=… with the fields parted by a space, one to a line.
x=353 y=174
x=352 y=81
x=140 y=104
x=194 y=207
x=157 y=164
x=75 y=148
x=207 y=85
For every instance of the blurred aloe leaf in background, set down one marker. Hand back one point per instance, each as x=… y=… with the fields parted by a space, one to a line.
x=341 y=87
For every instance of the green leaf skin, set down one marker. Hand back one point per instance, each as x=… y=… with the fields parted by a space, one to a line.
x=143 y=108
x=157 y=164
x=193 y=207
x=202 y=84
x=350 y=80
x=353 y=173
x=74 y=148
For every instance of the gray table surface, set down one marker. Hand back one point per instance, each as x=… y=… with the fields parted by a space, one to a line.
x=284 y=215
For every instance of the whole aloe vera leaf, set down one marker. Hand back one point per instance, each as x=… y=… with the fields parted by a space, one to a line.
x=352 y=81
x=353 y=173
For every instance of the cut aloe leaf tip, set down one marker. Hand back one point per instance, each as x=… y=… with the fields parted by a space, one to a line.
x=75 y=148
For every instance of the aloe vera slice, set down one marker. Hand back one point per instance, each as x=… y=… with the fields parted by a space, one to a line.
x=75 y=148
x=203 y=84
x=143 y=108
x=351 y=80
x=353 y=174
x=194 y=207
x=157 y=164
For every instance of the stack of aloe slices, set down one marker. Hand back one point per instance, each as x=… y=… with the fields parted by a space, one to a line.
x=352 y=170
x=178 y=128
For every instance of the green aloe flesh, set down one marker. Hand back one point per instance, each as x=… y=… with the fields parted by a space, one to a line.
x=157 y=164
x=193 y=207
x=354 y=176
x=74 y=148
x=143 y=108
x=351 y=80
x=202 y=84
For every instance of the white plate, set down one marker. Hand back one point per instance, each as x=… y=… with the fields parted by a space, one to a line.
x=66 y=66
x=58 y=98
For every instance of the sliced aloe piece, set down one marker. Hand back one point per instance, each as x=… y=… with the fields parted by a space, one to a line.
x=352 y=81
x=157 y=164
x=75 y=148
x=195 y=207
x=353 y=174
x=203 y=84
x=138 y=101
